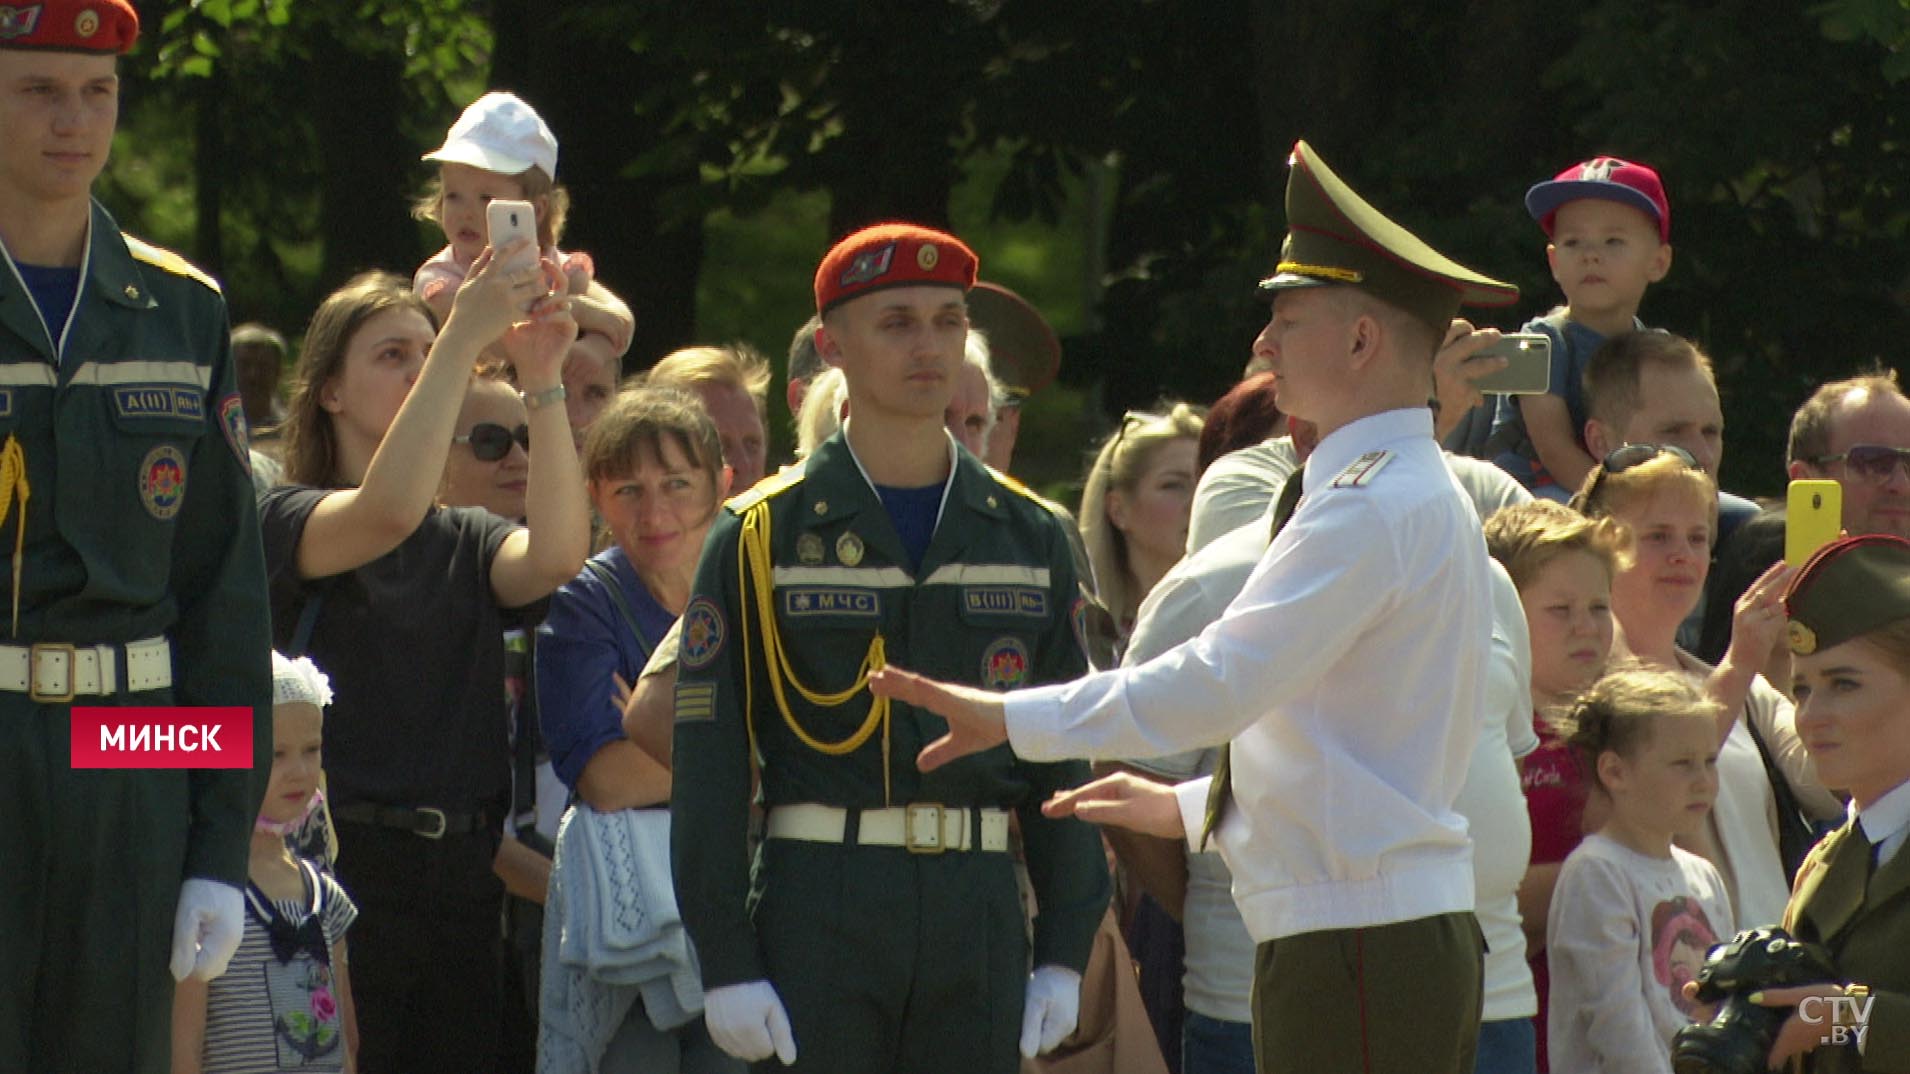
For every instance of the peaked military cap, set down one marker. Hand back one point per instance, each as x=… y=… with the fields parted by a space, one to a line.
x=1024 y=352
x=1335 y=237
x=1849 y=588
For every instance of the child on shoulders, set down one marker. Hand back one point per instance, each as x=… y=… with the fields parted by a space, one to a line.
x=500 y=148
x=1610 y=230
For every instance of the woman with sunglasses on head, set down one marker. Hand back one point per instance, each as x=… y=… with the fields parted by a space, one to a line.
x=654 y=461
x=1671 y=509
x=1135 y=508
x=404 y=602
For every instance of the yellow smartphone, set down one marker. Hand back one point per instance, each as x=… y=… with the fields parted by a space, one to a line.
x=1814 y=516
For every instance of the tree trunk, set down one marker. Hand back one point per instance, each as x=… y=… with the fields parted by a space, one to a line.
x=366 y=165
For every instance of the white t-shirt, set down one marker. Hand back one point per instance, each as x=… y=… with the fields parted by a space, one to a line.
x=1625 y=934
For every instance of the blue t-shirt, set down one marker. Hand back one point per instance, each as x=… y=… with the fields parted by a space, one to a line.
x=54 y=291
x=583 y=641
x=913 y=512
x=1572 y=347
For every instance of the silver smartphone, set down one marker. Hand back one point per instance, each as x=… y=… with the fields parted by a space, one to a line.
x=1528 y=369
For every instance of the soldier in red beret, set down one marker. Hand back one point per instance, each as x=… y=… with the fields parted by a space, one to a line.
x=137 y=578
x=883 y=930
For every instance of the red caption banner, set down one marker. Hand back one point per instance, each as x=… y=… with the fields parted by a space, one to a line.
x=162 y=737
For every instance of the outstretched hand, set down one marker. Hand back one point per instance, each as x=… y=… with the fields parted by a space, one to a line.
x=975 y=718
x=1122 y=800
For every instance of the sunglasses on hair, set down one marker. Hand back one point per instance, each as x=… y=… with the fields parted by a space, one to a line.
x=1630 y=455
x=490 y=441
x=1872 y=462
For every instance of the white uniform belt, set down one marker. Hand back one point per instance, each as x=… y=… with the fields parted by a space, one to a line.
x=56 y=672
x=922 y=828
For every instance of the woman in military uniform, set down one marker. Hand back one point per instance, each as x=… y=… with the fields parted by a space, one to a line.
x=1849 y=630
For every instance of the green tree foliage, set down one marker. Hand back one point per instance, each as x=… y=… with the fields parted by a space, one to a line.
x=1142 y=142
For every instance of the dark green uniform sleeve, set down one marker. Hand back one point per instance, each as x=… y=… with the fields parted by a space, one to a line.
x=710 y=789
x=222 y=640
x=1066 y=864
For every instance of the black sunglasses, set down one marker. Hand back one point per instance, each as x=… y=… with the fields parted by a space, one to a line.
x=490 y=441
x=1872 y=462
x=1630 y=455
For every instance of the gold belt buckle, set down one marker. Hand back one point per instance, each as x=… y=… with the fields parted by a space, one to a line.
x=924 y=828
x=49 y=648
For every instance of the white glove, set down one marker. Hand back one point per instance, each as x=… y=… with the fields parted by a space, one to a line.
x=748 y=1021
x=1052 y=1008
x=206 y=928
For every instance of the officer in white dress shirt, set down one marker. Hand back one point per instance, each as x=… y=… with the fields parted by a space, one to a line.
x=1348 y=675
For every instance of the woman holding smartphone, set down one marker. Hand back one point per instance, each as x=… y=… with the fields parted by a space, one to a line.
x=403 y=602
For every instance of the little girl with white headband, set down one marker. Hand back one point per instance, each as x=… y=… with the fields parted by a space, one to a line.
x=285 y=1001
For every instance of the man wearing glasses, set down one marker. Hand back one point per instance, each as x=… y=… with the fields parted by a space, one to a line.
x=1857 y=432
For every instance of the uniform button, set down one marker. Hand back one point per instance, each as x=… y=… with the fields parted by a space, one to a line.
x=992 y=502
x=132 y=292
x=822 y=507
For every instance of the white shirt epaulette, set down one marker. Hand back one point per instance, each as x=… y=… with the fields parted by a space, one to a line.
x=165 y=260
x=1361 y=472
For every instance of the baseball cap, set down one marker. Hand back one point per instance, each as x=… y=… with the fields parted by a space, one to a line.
x=499 y=133
x=1608 y=178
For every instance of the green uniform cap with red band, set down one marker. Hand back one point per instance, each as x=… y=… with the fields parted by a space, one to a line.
x=1335 y=237
x=1849 y=588
x=892 y=255
x=104 y=26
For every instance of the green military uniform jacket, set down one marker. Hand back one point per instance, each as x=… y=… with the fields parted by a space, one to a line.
x=1868 y=935
x=994 y=603
x=141 y=519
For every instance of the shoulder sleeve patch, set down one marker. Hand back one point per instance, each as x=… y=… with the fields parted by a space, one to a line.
x=1360 y=474
x=775 y=484
x=167 y=261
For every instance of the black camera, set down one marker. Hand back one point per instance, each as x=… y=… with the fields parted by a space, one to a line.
x=1738 y=1040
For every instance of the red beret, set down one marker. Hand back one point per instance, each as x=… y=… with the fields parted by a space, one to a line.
x=108 y=26
x=892 y=255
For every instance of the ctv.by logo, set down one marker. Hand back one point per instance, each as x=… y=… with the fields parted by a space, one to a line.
x=1847 y=1017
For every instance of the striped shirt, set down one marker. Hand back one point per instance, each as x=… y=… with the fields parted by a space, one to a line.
x=267 y=1015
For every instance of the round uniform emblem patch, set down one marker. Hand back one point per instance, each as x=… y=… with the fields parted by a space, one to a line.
x=87 y=24
x=1005 y=664
x=927 y=257
x=162 y=481
x=702 y=633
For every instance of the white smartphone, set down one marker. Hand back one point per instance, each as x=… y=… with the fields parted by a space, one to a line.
x=509 y=220
x=1528 y=369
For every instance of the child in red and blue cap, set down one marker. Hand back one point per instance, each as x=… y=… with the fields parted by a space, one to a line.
x=1610 y=230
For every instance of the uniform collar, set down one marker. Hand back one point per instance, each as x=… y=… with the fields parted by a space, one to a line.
x=1887 y=817
x=107 y=272
x=1338 y=450
x=836 y=486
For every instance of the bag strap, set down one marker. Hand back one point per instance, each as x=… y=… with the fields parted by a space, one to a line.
x=1790 y=813
x=609 y=579
x=307 y=619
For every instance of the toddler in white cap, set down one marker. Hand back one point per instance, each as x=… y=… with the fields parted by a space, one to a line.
x=500 y=148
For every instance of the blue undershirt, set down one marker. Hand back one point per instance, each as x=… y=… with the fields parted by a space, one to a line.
x=912 y=512
x=54 y=291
